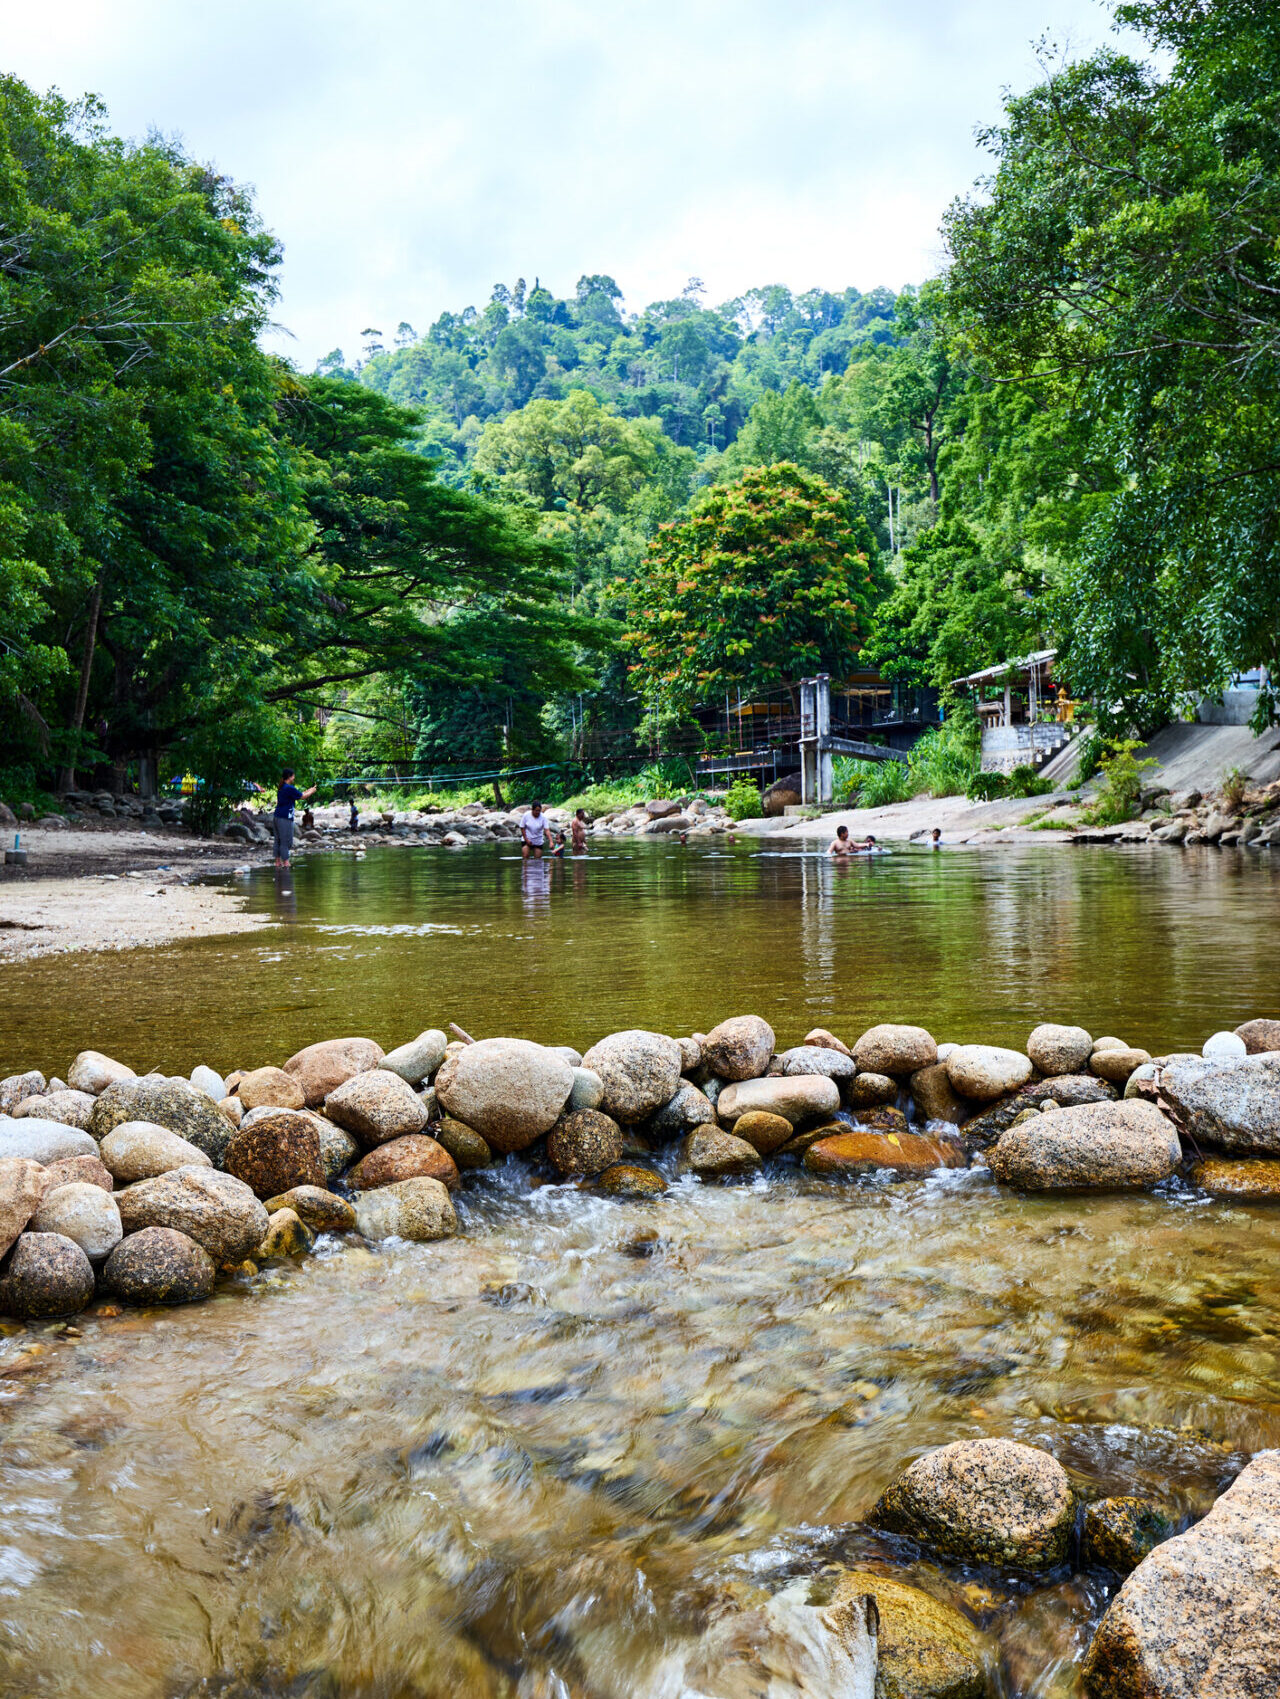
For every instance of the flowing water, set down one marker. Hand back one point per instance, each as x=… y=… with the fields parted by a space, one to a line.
x=534 y=1461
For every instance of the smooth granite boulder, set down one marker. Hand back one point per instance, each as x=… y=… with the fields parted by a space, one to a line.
x=1060 y=1049
x=984 y=1500
x=175 y=1104
x=46 y=1275
x=640 y=1070
x=801 y=1097
x=895 y=1049
x=1235 y=1105
x=159 y=1265
x=1097 y=1147
x=323 y=1067
x=508 y=1090
x=216 y=1210
x=738 y=1049
x=83 y=1213
x=43 y=1141
x=985 y=1072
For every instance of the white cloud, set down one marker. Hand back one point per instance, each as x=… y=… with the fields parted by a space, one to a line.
x=409 y=155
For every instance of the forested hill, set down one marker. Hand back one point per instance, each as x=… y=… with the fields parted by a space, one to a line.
x=698 y=370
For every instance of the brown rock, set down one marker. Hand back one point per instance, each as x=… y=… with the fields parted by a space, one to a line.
x=232 y=1108
x=175 y=1104
x=854 y=1153
x=271 y=1088
x=625 y=1180
x=1239 y=1180
x=869 y=1091
x=825 y=1040
x=1060 y=1049
x=762 y=1131
x=159 y=1265
x=287 y=1235
x=714 y=1155
x=1117 y=1065
x=75 y=1171
x=809 y=1136
x=323 y=1212
x=376 y=1106
x=419 y=1209
x=640 y=1070
x=21 y=1190
x=47 y=1275
x=987 y=1500
x=274 y=1154
x=407 y=1158
x=885 y=1119
x=463 y=1143
x=215 y=1209
x=17 y=1087
x=509 y=1090
x=322 y=1068
x=738 y=1049
x=985 y=1072
x=1120 y=1532
x=890 y=1049
x=1259 y=1036
x=935 y=1098
x=927 y=1649
x=804 y=1097
x=584 y=1142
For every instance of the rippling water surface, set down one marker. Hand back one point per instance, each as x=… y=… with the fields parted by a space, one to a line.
x=530 y=1462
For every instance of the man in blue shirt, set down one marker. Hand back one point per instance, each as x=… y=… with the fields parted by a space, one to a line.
x=282 y=820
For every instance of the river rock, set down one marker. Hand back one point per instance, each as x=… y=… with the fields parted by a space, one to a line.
x=416 y=1209
x=927 y=1649
x=890 y=1049
x=93 y=1072
x=75 y=1171
x=815 y=1059
x=739 y=1048
x=857 y=1152
x=1235 y=1105
x=139 y=1150
x=784 y=1648
x=985 y=1500
x=43 y=1141
x=84 y=1213
x=509 y=1090
x=175 y=1104
x=46 y=1275
x=404 y=1159
x=159 y=1265
x=587 y=1090
x=376 y=1106
x=71 y=1108
x=936 y=1098
x=584 y=1142
x=869 y=1091
x=323 y=1067
x=572 y=1057
x=1120 y=1532
x=215 y=1209
x=762 y=1131
x=210 y=1082
x=1060 y=1049
x=17 y=1087
x=287 y=1235
x=713 y=1154
x=985 y=1072
x=1259 y=1036
x=825 y=1040
x=1201 y=1615
x=690 y=1054
x=21 y=1188
x=1224 y=1047
x=1248 y=1179
x=338 y=1150
x=640 y=1070
x=1117 y=1065
x=1144 y=1082
x=463 y=1143
x=271 y=1088
x=1098 y=1147
x=232 y=1108
x=274 y=1154
x=419 y=1059
x=323 y=1212
x=689 y=1108
x=1108 y=1042
x=1067 y=1091
x=626 y=1180
x=804 y=1097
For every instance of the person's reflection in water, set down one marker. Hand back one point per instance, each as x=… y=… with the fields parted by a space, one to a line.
x=535 y=885
x=286 y=903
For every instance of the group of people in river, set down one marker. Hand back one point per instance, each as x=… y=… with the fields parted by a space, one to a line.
x=538 y=836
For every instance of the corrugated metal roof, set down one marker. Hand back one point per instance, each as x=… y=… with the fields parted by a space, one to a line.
x=1024 y=663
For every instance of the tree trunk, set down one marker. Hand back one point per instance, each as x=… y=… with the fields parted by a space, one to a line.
x=67 y=778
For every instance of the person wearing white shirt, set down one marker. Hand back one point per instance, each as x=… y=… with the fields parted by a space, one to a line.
x=533 y=832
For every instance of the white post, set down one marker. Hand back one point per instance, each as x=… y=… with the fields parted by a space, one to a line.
x=824 y=763
x=808 y=740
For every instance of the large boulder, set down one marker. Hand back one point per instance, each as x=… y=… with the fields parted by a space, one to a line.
x=376 y=1106
x=927 y=1649
x=640 y=1070
x=782 y=794
x=1259 y=1036
x=215 y=1209
x=986 y=1501
x=43 y=1141
x=847 y=1155
x=93 y=1072
x=689 y=1108
x=893 y=1049
x=584 y=1142
x=509 y=1090
x=47 y=1275
x=84 y=1213
x=1235 y=1105
x=935 y=1098
x=271 y=1088
x=714 y=1155
x=274 y=1154
x=738 y=1049
x=404 y=1159
x=801 y=1097
x=1098 y=1147
x=322 y=1068
x=175 y=1104
x=71 y=1108
x=159 y=1265
x=139 y=1150
x=985 y=1072
x=419 y=1059
x=1060 y=1049
x=1201 y=1615
x=21 y=1188
x=817 y=1059
x=416 y=1209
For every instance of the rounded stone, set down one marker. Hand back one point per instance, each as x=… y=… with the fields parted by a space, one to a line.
x=84 y=1213
x=935 y=1098
x=463 y=1143
x=271 y=1088
x=850 y=1154
x=138 y=1150
x=338 y=1150
x=1107 y=1042
x=159 y=1265
x=47 y=1275
x=323 y=1067
x=1120 y=1532
x=508 y=1090
x=1259 y=1036
x=713 y=1154
x=71 y=1108
x=1095 y=1147
x=75 y=1171
x=287 y=1235
x=739 y=1048
x=21 y=1189
x=93 y=1072
x=216 y=1210
x=985 y=1500
x=926 y=1649
x=1116 y=1066
x=584 y=1142
x=827 y=1041
x=322 y=1211
x=376 y=1106
x=174 y=1104
x=985 y=1071
x=419 y=1210
x=1059 y=1049
x=689 y=1108
x=210 y=1082
x=1224 y=1047
x=640 y=1070
x=805 y=1097
x=587 y=1090
x=764 y=1132
x=19 y=1088
x=419 y=1059
x=893 y=1049
x=274 y=1154
x=404 y=1159
x=866 y=1091
x=626 y=1180
x=690 y=1054
x=816 y=1059
x=43 y=1141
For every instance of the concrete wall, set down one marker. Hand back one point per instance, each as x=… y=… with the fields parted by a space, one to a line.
x=1007 y=747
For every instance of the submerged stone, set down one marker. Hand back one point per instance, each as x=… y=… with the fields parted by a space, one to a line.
x=1120 y=1532
x=927 y=1649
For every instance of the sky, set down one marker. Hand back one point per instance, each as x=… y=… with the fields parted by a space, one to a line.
x=410 y=153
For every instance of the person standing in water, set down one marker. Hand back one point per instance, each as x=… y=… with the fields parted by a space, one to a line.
x=578 y=827
x=840 y=844
x=935 y=838
x=282 y=820
x=533 y=832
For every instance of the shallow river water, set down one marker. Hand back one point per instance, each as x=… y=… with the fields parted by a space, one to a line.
x=532 y=1462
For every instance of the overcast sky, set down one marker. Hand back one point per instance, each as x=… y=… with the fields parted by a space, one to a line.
x=410 y=153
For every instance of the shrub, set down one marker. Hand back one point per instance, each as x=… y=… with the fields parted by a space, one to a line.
x=743 y=801
x=1122 y=788
x=1025 y=781
x=986 y=787
x=946 y=757
x=1235 y=782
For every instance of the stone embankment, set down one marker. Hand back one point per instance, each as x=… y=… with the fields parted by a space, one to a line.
x=148 y=1190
